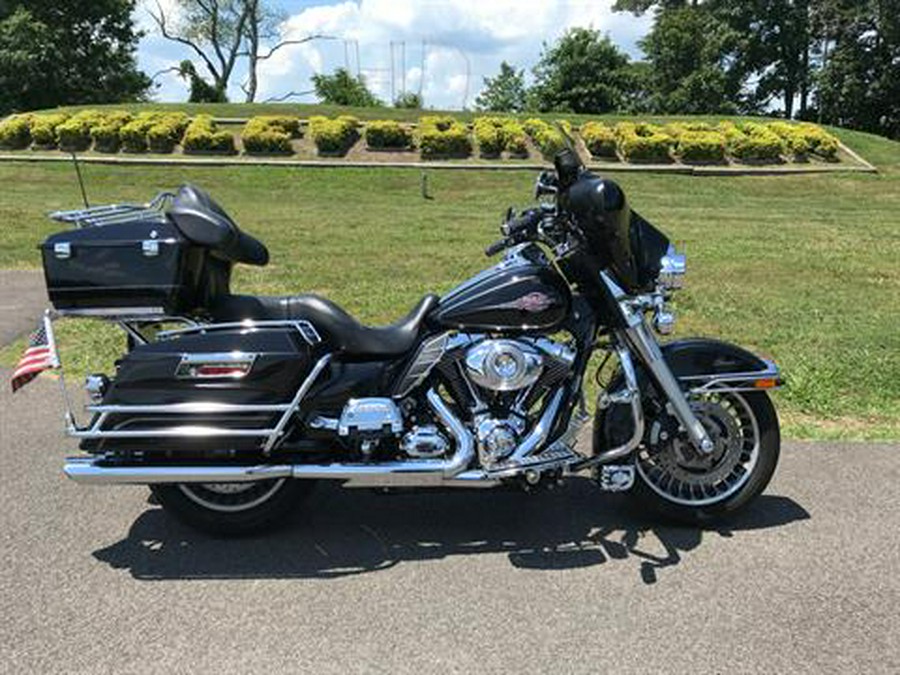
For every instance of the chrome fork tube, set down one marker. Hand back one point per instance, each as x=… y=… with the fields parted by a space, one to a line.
x=642 y=343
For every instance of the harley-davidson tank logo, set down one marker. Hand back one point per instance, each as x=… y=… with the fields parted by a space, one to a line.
x=532 y=302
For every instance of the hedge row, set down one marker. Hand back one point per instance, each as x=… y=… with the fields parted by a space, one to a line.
x=703 y=142
x=437 y=136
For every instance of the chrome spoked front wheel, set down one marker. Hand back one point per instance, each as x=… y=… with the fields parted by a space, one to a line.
x=679 y=481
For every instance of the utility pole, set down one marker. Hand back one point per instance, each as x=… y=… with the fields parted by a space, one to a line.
x=393 y=75
x=403 y=66
x=422 y=70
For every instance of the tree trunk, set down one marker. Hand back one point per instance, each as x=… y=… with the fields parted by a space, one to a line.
x=252 y=81
x=804 y=84
x=252 y=49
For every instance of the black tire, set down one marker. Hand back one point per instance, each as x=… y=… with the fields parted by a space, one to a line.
x=266 y=505
x=769 y=445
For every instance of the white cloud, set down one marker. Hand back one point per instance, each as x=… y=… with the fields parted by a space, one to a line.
x=459 y=36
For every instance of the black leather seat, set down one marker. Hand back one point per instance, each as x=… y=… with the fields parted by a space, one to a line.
x=342 y=331
x=205 y=223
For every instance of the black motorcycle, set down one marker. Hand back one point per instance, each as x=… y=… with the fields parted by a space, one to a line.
x=230 y=407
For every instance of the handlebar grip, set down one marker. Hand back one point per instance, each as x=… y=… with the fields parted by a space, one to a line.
x=496 y=247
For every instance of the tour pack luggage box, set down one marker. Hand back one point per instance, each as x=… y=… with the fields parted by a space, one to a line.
x=145 y=263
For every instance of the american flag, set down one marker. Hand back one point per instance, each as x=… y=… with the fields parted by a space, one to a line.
x=40 y=355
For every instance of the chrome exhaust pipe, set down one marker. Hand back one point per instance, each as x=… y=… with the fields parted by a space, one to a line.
x=412 y=473
x=92 y=471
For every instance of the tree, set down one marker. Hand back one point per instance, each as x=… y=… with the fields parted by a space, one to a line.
x=341 y=88
x=692 y=71
x=80 y=51
x=410 y=100
x=503 y=93
x=859 y=81
x=201 y=90
x=220 y=32
x=583 y=72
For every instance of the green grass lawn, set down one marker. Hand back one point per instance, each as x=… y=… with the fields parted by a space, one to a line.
x=803 y=268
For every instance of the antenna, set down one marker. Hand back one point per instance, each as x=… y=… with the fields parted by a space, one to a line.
x=80 y=181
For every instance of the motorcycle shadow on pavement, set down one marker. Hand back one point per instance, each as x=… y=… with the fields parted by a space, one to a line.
x=341 y=532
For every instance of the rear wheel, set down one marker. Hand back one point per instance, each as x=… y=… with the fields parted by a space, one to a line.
x=677 y=482
x=232 y=508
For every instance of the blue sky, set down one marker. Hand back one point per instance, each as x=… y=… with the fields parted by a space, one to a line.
x=463 y=40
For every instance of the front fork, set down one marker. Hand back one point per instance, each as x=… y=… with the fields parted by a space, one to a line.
x=637 y=337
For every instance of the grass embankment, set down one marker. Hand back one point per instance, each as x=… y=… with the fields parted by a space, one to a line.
x=799 y=267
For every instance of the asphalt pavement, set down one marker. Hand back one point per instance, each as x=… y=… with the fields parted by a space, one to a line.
x=98 y=579
x=22 y=300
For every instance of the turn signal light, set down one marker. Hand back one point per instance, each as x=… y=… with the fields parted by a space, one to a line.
x=766 y=383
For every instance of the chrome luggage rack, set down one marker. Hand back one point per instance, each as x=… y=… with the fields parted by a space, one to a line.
x=130 y=321
x=111 y=214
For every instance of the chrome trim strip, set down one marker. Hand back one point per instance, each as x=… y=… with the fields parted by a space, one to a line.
x=305 y=328
x=193 y=359
x=189 y=408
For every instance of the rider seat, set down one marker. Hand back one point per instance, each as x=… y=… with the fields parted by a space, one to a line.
x=343 y=332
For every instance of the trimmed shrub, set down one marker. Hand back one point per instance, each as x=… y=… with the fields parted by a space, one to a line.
x=382 y=134
x=74 y=135
x=489 y=136
x=514 y=138
x=270 y=134
x=43 y=129
x=653 y=148
x=820 y=141
x=105 y=138
x=546 y=136
x=496 y=134
x=133 y=136
x=15 y=133
x=333 y=137
x=443 y=136
x=599 y=139
x=701 y=146
x=794 y=138
x=203 y=136
x=643 y=142
x=757 y=144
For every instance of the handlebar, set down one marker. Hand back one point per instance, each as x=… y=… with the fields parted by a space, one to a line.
x=529 y=219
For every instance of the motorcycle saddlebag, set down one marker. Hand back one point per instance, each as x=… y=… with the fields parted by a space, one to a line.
x=141 y=263
x=235 y=366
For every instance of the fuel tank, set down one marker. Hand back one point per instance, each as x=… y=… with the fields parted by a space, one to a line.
x=523 y=292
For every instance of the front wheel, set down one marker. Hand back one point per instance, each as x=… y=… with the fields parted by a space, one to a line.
x=677 y=482
x=232 y=508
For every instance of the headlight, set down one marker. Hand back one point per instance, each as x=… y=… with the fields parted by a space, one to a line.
x=672 y=268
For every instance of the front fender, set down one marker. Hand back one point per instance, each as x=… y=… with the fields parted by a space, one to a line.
x=700 y=364
x=706 y=363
